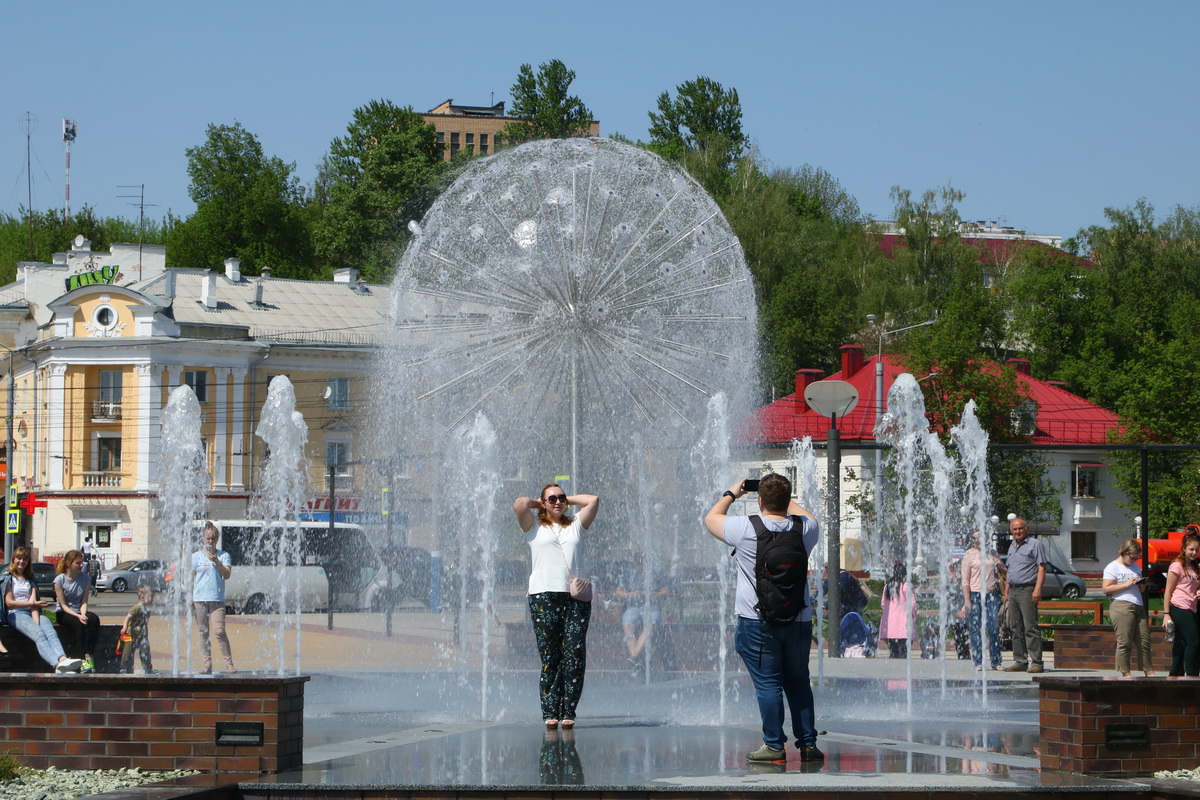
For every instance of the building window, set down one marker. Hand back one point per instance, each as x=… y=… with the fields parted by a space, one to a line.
x=1083 y=545
x=470 y=143
x=110 y=385
x=108 y=454
x=198 y=380
x=441 y=137
x=337 y=453
x=108 y=403
x=483 y=144
x=337 y=394
x=453 y=143
x=1087 y=480
x=105 y=319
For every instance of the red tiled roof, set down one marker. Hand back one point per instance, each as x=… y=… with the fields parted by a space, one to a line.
x=1063 y=419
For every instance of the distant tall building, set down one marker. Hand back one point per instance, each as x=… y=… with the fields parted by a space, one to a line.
x=473 y=128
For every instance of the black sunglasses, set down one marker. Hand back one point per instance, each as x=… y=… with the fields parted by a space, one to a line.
x=556 y=498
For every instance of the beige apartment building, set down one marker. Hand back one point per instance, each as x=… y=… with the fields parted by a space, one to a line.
x=95 y=343
x=473 y=128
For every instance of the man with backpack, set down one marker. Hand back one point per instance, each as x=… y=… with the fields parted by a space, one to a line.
x=774 y=625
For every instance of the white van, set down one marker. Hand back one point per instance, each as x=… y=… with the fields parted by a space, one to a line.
x=293 y=565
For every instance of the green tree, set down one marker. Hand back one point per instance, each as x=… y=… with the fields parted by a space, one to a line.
x=53 y=233
x=543 y=107
x=1138 y=349
x=376 y=178
x=1019 y=485
x=248 y=205
x=796 y=252
x=704 y=117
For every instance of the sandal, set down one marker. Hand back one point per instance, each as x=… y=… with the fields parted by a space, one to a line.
x=551 y=724
x=568 y=724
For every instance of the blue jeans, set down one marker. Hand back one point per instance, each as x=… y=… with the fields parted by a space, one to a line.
x=43 y=635
x=776 y=656
x=975 y=617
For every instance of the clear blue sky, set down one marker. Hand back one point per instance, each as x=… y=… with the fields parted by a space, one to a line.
x=1044 y=113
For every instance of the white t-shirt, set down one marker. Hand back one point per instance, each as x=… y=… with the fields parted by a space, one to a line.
x=549 y=561
x=738 y=533
x=1116 y=571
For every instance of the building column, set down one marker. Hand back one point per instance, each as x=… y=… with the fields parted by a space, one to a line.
x=220 y=476
x=149 y=425
x=56 y=406
x=238 y=436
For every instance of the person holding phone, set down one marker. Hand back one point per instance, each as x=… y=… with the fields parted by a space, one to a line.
x=560 y=622
x=776 y=655
x=210 y=569
x=1123 y=582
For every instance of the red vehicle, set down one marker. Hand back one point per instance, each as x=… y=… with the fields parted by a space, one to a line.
x=1159 y=555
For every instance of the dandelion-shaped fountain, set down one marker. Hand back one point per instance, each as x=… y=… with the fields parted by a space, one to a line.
x=591 y=301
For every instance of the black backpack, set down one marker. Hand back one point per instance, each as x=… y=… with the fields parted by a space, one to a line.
x=780 y=571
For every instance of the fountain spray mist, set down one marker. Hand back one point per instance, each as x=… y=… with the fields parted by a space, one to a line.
x=283 y=490
x=181 y=502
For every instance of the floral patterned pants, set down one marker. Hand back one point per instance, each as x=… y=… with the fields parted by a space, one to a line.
x=560 y=626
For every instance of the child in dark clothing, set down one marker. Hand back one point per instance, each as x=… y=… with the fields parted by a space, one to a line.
x=137 y=627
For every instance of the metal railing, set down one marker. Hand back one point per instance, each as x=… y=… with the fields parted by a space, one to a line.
x=101 y=480
x=106 y=409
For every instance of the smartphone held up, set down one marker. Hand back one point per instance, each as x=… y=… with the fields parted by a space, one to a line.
x=750 y=485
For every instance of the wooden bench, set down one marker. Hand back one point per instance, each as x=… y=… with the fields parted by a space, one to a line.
x=23 y=656
x=1065 y=606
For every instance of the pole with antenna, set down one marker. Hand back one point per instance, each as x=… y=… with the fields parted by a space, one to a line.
x=68 y=129
x=141 y=206
x=29 y=122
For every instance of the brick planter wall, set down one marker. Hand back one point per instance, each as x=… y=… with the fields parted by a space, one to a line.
x=1078 y=715
x=1095 y=647
x=22 y=655
x=155 y=722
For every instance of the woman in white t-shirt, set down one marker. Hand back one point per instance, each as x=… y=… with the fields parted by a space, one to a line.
x=560 y=622
x=1123 y=582
x=25 y=613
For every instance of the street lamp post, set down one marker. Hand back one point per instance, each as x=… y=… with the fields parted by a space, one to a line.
x=878 y=472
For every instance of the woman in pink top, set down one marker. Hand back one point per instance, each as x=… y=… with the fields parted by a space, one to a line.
x=1183 y=589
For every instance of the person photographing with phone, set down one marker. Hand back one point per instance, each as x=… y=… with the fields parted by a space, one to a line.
x=774 y=621
x=210 y=569
x=1125 y=584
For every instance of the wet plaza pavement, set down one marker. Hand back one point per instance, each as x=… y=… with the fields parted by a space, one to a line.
x=876 y=734
x=409 y=716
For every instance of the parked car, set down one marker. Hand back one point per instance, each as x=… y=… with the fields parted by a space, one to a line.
x=132 y=574
x=1060 y=583
x=43 y=576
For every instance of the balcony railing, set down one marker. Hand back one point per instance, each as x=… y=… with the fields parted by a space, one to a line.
x=106 y=410
x=102 y=480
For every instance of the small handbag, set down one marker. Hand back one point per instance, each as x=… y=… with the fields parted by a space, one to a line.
x=580 y=589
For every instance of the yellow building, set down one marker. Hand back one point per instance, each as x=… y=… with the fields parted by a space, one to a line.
x=473 y=128
x=96 y=341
